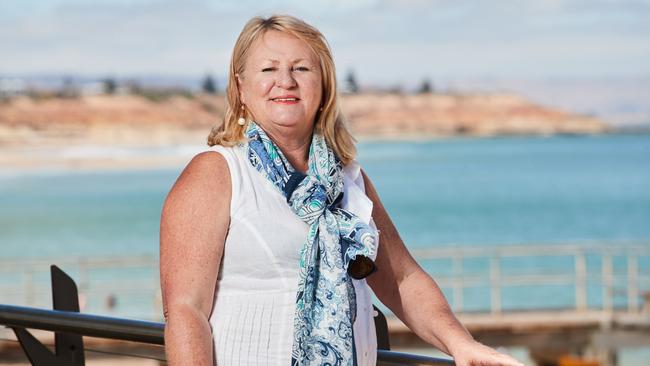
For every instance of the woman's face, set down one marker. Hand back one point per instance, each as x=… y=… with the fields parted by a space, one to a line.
x=281 y=83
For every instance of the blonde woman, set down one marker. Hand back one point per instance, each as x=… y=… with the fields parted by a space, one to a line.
x=269 y=242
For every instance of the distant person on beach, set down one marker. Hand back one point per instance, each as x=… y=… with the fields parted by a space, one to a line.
x=270 y=242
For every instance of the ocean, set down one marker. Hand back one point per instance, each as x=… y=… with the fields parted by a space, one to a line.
x=463 y=191
x=448 y=193
x=460 y=192
x=508 y=190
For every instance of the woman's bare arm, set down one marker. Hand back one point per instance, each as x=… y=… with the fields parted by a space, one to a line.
x=402 y=285
x=415 y=298
x=193 y=227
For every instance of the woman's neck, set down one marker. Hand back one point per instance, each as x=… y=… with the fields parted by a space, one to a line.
x=293 y=143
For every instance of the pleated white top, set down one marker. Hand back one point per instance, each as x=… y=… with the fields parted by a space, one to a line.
x=255 y=297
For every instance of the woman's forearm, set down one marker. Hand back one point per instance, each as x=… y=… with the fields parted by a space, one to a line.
x=188 y=339
x=419 y=303
x=426 y=311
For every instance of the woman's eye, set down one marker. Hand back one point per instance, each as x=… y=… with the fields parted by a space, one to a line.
x=266 y=69
x=301 y=68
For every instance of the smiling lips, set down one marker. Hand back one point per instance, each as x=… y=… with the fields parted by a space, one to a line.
x=286 y=99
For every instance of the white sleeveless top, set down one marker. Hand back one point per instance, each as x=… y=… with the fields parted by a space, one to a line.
x=255 y=296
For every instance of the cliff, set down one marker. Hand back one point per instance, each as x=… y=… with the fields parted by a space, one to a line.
x=446 y=115
x=135 y=120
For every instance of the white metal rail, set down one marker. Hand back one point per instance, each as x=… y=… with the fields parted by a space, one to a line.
x=621 y=274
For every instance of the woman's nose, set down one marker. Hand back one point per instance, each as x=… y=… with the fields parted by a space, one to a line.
x=285 y=79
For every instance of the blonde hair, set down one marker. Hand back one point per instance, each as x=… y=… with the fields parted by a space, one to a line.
x=329 y=122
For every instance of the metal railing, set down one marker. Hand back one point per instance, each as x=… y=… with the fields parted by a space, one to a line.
x=70 y=326
x=132 y=280
x=83 y=324
x=142 y=331
x=600 y=275
x=588 y=267
x=616 y=275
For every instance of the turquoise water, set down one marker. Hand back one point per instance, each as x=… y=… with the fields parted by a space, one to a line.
x=457 y=192
x=515 y=190
x=465 y=192
x=460 y=192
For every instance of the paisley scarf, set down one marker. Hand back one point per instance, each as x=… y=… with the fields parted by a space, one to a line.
x=325 y=302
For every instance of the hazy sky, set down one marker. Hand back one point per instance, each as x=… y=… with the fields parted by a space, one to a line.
x=387 y=41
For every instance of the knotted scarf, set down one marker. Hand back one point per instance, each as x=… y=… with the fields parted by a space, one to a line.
x=325 y=302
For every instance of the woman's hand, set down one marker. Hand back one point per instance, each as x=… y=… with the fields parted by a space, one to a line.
x=473 y=353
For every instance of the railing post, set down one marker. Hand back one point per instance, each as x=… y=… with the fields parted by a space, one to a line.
x=581 y=281
x=495 y=284
x=608 y=282
x=632 y=284
x=29 y=286
x=83 y=274
x=457 y=269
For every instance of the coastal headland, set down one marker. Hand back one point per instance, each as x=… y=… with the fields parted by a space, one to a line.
x=131 y=120
x=124 y=119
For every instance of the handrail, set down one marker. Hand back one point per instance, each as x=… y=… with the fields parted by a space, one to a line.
x=392 y=358
x=145 y=331
x=82 y=324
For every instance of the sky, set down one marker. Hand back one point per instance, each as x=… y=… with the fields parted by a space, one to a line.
x=383 y=42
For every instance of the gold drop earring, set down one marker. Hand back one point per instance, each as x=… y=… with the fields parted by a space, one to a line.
x=242 y=121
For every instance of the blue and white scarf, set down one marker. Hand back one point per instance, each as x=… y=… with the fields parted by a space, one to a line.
x=326 y=302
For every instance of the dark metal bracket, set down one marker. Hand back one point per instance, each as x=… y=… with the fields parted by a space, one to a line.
x=381 y=330
x=69 y=348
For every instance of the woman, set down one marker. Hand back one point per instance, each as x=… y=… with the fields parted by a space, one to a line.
x=269 y=242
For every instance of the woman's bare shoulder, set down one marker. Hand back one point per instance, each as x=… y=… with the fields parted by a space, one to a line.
x=207 y=163
x=209 y=168
x=205 y=180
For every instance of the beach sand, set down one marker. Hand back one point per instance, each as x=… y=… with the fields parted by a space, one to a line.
x=86 y=157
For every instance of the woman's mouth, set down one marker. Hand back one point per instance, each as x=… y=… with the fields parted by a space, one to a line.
x=286 y=100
